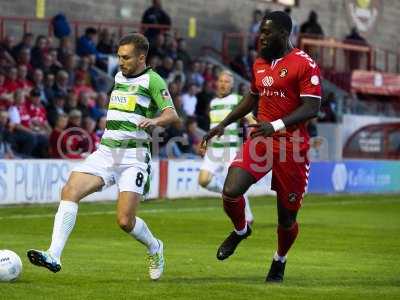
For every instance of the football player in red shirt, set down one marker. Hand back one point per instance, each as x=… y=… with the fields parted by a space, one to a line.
x=286 y=86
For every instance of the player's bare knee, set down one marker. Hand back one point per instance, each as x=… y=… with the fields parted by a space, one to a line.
x=204 y=178
x=230 y=191
x=203 y=182
x=125 y=223
x=69 y=192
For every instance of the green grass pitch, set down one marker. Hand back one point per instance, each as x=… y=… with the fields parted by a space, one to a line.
x=348 y=248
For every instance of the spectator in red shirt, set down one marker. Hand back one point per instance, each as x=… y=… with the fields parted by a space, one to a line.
x=5 y=96
x=81 y=85
x=11 y=84
x=58 y=147
x=22 y=81
x=24 y=137
x=36 y=120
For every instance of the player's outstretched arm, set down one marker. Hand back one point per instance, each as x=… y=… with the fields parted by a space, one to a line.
x=167 y=116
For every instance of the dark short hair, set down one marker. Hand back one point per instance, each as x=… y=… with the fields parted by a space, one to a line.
x=138 y=40
x=90 y=30
x=280 y=19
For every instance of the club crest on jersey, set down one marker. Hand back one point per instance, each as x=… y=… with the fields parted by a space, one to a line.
x=267 y=81
x=283 y=72
x=165 y=94
x=292 y=197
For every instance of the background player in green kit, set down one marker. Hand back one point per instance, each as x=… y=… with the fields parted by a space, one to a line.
x=222 y=150
x=122 y=158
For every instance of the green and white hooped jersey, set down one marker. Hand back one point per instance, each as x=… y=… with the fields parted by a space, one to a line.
x=131 y=100
x=219 y=109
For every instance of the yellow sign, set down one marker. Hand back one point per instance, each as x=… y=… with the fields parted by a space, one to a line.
x=40 y=9
x=192 y=32
x=122 y=101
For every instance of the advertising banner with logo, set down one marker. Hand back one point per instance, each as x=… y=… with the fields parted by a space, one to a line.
x=40 y=181
x=355 y=176
x=182 y=181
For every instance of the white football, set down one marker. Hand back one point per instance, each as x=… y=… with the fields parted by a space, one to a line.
x=10 y=265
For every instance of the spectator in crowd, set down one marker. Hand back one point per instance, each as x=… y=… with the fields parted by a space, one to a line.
x=61 y=27
x=106 y=43
x=26 y=43
x=195 y=135
x=203 y=105
x=86 y=44
x=90 y=141
x=81 y=85
x=23 y=83
x=72 y=101
x=48 y=64
x=70 y=63
x=189 y=100
x=354 y=57
x=154 y=62
x=11 y=83
x=37 y=83
x=194 y=76
x=171 y=49
x=254 y=28
x=38 y=51
x=311 y=26
x=155 y=15
x=178 y=73
x=61 y=83
x=48 y=86
x=183 y=54
x=6 y=151
x=5 y=96
x=100 y=109
x=84 y=103
x=64 y=49
x=157 y=48
x=101 y=126
x=57 y=142
x=294 y=35
x=241 y=64
x=166 y=68
x=56 y=109
x=24 y=138
x=24 y=58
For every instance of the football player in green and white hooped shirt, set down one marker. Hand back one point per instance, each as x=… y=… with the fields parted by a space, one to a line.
x=221 y=151
x=123 y=156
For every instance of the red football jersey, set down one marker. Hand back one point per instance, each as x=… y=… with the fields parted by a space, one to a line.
x=281 y=83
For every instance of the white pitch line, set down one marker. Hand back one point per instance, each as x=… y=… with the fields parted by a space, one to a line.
x=200 y=209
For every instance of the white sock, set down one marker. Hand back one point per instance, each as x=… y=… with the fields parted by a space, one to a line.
x=282 y=259
x=241 y=232
x=216 y=184
x=64 y=222
x=143 y=234
x=247 y=210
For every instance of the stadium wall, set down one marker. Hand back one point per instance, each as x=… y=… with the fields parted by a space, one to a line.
x=217 y=16
x=40 y=181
